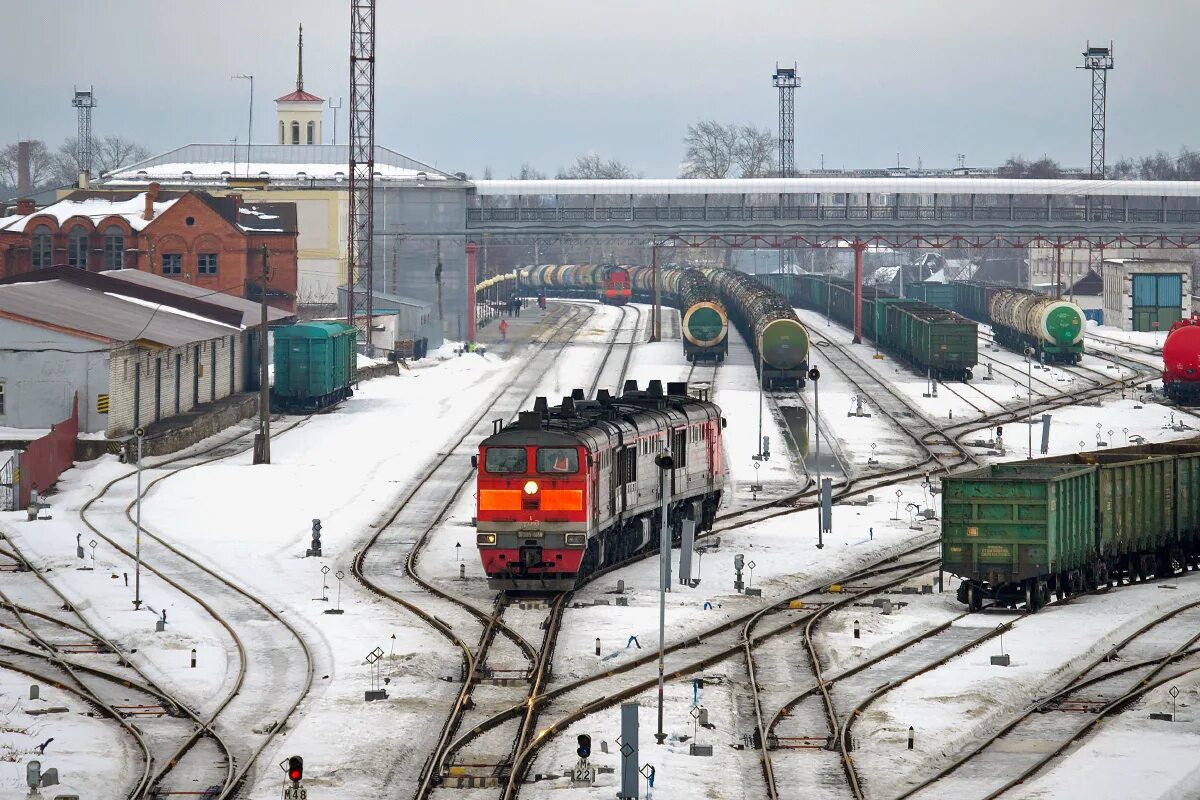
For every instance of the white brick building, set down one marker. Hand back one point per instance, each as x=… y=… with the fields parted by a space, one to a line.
x=138 y=349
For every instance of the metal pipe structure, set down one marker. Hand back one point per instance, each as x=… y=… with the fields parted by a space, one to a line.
x=665 y=463
x=472 y=250
x=263 y=454
x=858 y=270
x=137 y=524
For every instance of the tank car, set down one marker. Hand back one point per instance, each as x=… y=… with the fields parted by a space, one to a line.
x=1053 y=328
x=704 y=323
x=1181 y=362
x=569 y=489
x=769 y=325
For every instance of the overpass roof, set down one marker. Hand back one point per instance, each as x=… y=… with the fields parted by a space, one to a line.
x=840 y=185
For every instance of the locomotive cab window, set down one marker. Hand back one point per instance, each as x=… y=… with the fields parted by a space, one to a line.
x=505 y=459
x=552 y=460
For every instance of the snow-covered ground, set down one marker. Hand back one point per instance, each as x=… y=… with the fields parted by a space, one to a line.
x=348 y=467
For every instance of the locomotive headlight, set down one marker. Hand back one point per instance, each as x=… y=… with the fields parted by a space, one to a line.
x=485 y=538
x=576 y=539
x=531 y=487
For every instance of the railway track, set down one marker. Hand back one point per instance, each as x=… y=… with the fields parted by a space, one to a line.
x=1162 y=650
x=205 y=755
x=253 y=708
x=617 y=371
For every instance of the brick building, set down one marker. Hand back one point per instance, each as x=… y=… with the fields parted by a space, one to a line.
x=213 y=243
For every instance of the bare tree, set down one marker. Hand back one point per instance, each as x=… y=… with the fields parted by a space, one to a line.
x=529 y=173
x=1018 y=167
x=41 y=164
x=114 y=152
x=755 y=153
x=711 y=149
x=594 y=167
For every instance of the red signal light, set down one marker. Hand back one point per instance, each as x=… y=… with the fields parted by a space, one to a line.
x=295 y=768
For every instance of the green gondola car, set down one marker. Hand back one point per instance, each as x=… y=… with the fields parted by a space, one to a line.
x=1018 y=532
x=315 y=364
x=942 y=295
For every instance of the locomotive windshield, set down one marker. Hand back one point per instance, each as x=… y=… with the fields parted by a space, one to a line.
x=505 y=459
x=557 y=460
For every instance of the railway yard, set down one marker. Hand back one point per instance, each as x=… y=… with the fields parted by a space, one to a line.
x=856 y=671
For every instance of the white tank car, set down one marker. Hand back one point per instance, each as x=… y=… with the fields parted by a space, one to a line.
x=1054 y=322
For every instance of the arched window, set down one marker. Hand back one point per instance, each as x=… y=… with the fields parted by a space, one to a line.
x=114 y=248
x=77 y=247
x=43 y=247
x=312 y=126
x=295 y=133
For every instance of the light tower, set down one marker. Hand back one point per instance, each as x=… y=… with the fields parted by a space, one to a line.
x=360 y=276
x=1099 y=60
x=786 y=81
x=84 y=102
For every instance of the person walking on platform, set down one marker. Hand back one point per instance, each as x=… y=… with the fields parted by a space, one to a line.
x=503 y=330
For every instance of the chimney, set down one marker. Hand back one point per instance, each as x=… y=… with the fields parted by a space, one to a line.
x=24 y=182
x=25 y=207
x=85 y=179
x=151 y=198
x=237 y=205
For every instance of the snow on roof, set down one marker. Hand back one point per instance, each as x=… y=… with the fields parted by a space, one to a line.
x=204 y=172
x=169 y=309
x=256 y=213
x=95 y=209
x=841 y=185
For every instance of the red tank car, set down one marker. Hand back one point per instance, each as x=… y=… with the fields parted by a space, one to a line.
x=615 y=288
x=1181 y=362
x=569 y=489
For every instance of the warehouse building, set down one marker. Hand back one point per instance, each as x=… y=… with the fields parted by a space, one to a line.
x=137 y=349
x=1142 y=294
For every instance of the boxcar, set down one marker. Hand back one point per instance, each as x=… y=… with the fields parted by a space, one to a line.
x=314 y=365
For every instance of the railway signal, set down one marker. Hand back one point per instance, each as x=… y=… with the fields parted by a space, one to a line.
x=585 y=746
x=295 y=768
x=315 y=549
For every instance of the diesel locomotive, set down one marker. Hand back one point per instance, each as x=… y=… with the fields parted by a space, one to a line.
x=569 y=489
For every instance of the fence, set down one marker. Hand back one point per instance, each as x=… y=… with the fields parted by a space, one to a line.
x=48 y=457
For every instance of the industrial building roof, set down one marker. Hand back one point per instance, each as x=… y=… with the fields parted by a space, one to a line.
x=250 y=310
x=841 y=185
x=95 y=313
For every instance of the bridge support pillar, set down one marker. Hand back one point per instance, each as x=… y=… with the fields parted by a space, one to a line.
x=859 y=247
x=472 y=250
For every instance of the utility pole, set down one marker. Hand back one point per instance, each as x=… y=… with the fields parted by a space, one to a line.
x=361 y=228
x=250 y=120
x=656 y=334
x=137 y=524
x=262 y=450
x=437 y=277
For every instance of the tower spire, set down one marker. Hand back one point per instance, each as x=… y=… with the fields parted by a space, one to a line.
x=300 y=61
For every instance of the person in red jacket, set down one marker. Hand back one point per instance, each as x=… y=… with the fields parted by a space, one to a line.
x=503 y=330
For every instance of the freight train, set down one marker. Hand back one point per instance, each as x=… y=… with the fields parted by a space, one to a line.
x=1018 y=533
x=1052 y=327
x=315 y=365
x=569 y=489
x=705 y=324
x=932 y=339
x=1181 y=362
x=767 y=322
x=703 y=320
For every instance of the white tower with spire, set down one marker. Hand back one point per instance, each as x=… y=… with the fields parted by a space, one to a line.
x=299 y=112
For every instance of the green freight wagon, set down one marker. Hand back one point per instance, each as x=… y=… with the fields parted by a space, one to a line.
x=942 y=295
x=812 y=291
x=1135 y=513
x=1017 y=532
x=1182 y=544
x=932 y=339
x=315 y=365
x=972 y=300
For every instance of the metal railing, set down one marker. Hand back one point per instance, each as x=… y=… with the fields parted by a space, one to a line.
x=8 y=483
x=783 y=213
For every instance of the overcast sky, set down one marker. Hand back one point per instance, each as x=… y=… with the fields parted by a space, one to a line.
x=472 y=83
